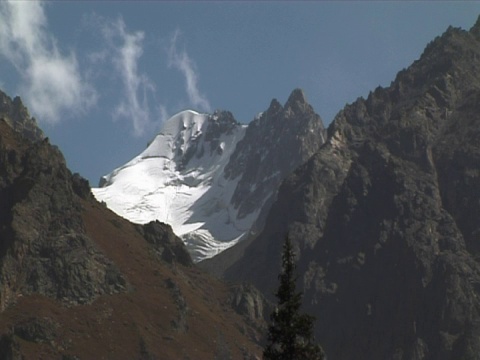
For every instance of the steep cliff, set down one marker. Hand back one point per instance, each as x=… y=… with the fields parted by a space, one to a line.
x=385 y=217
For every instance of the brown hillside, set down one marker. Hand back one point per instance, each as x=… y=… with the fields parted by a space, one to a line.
x=164 y=311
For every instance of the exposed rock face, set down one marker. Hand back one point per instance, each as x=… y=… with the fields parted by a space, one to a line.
x=211 y=178
x=250 y=303
x=219 y=123
x=44 y=248
x=166 y=244
x=17 y=116
x=385 y=217
x=36 y=330
x=81 y=187
x=179 y=324
x=275 y=143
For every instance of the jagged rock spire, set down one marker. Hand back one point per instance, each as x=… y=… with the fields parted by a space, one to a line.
x=16 y=115
x=297 y=96
x=475 y=29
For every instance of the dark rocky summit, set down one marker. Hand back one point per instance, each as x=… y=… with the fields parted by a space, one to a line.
x=275 y=143
x=385 y=216
x=17 y=116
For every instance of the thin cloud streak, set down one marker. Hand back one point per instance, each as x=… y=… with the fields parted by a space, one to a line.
x=180 y=60
x=52 y=84
x=127 y=49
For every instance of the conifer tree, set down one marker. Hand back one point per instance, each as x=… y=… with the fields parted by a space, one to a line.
x=290 y=334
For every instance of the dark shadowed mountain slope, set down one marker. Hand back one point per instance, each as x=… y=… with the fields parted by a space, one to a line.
x=275 y=143
x=385 y=218
x=79 y=282
x=278 y=141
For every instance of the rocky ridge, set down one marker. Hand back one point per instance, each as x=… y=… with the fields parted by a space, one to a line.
x=211 y=178
x=44 y=247
x=70 y=268
x=275 y=143
x=17 y=116
x=384 y=217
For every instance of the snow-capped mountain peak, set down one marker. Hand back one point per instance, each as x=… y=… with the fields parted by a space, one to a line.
x=210 y=177
x=179 y=180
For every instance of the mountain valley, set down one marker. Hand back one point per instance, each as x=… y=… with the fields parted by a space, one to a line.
x=79 y=282
x=382 y=209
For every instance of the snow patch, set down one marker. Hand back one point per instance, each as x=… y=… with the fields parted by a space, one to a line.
x=192 y=195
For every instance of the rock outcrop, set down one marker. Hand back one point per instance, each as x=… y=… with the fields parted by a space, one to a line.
x=17 y=116
x=247 y=301
x=165 y=243
x=275 y=143
x=44 y=247
x=385 y=217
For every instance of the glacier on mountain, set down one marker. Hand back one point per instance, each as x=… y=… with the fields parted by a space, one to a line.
x=211 y=178
x=179 y=180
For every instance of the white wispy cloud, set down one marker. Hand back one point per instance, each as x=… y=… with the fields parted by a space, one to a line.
x=126 y=50
x=179 y=59
x=52 y=84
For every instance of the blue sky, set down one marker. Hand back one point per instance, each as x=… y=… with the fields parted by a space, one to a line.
x=101 y=77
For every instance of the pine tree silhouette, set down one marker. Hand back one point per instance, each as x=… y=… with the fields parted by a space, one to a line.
x=290 y=334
